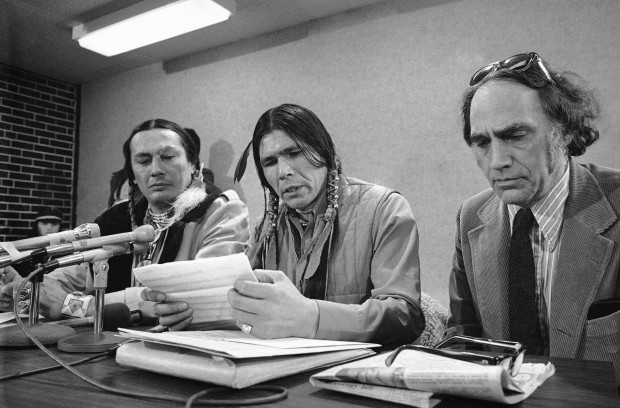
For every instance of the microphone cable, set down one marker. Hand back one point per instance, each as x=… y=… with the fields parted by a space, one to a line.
x=50 y=368
x=116 y=313
x=277 y=393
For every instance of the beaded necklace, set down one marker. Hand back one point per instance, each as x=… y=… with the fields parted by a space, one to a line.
x=161 y=223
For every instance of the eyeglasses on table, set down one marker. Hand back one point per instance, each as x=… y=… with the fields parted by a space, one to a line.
x=511 y=359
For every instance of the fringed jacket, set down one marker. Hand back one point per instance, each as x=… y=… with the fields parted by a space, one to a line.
x=217 y=226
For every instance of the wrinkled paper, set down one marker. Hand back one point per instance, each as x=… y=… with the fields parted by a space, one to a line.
x=202 y=283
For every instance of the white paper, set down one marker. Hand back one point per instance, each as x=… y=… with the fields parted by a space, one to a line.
x=202 y=283
x=293 y=342
x=10 y=316
x=236 y=344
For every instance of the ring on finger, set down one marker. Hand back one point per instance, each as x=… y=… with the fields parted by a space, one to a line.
x=163 y=327
x=246 y=328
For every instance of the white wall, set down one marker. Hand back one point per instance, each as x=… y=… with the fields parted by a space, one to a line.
x=386 y=81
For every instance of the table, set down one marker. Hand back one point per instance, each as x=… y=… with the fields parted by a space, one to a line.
x=576 y=383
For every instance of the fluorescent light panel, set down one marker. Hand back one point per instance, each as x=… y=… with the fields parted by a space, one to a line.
x=149 y=22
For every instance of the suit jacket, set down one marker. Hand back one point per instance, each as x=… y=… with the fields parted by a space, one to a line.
x=587 y=270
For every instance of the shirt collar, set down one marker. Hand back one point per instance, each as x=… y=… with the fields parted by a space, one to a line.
x=549 y=210
x=317 y=211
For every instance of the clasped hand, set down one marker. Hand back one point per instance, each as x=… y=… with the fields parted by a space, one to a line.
x=273 y=306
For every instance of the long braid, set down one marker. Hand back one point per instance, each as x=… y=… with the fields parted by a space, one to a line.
x=331 y=213
x=332 y=195
x=271 y=210
x=272 y=215
x=131 y=202
x=134 y=224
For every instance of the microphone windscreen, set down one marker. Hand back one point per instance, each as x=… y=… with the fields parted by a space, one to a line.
x=144 y=233
x=116 y=315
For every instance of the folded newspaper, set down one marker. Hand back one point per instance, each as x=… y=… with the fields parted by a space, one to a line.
x=420 y=379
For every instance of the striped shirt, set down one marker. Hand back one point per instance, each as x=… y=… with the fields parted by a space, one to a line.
x=546 y=242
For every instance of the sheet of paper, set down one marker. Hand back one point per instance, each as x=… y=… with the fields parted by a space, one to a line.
x=10 y=316
x=227 y=343
x=202 y=283
x=237 y=336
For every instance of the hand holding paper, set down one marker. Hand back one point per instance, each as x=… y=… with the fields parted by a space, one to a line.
x=273 y=307
x=172 y=314
x=202 y=284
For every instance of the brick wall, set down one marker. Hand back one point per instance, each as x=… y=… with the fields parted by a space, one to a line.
x=38 y=149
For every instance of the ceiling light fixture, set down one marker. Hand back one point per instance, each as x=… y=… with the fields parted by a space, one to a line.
x=149 y=22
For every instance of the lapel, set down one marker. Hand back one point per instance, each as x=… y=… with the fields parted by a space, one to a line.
x=489 y=246
x=310 y=260
x=584 y=256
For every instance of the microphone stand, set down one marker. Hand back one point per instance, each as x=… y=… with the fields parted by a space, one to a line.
x=35 y=287
x=47 y=334
x=98 y=340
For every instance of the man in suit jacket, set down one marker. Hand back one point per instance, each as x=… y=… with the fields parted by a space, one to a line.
x=523 y=123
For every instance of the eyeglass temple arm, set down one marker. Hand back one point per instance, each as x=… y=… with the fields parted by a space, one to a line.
x=476 y=340
x=463 y=356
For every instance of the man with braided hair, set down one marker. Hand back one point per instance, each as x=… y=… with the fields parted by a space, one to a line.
x=192 y=220
x=336 y=257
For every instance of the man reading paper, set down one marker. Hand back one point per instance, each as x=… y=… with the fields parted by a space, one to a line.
x=336 y=257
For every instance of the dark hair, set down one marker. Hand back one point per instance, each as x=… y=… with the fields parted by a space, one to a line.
x=189 y=141
x=568 y=103
x=47 y=214
x=305 y=128
x=116 y=185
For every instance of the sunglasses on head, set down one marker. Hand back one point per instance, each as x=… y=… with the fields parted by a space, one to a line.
x=510 y=360
x=518 y=63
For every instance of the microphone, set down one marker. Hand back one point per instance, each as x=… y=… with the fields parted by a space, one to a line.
x=142 y=234
x=50 y=334
x=98 y=340
x=12 y=248
x=115 y=315
x=95 y=255
x=81 y=232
